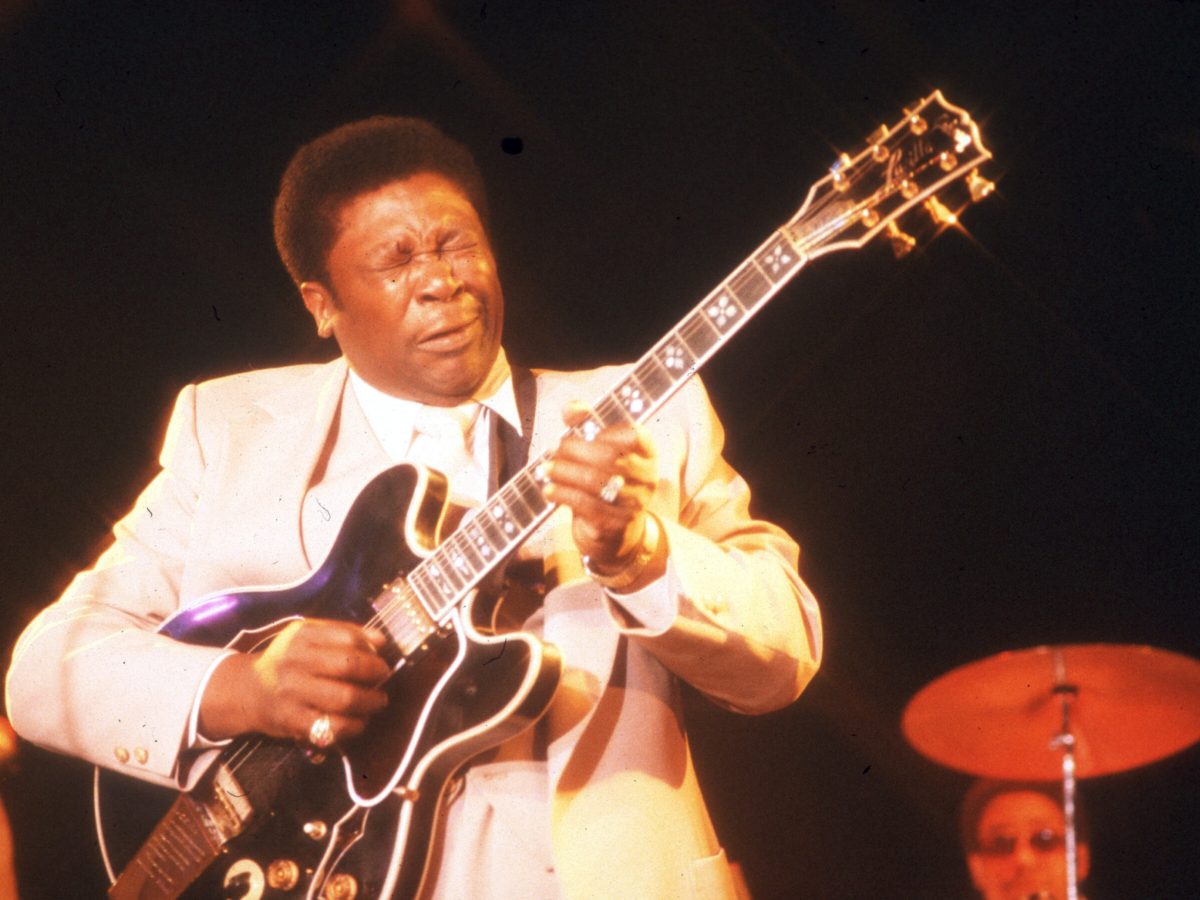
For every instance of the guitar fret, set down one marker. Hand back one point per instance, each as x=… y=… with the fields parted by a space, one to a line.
x=483 y=544
x=429 y=592
x=590 y=427
x=655 y=380
x=611 y=411
x=492 y=525
x=461 y=557
x=442 y=571
x=501 y=518
x=674 y=355
x=699 y=335
x=520 y=514
x=635 y=400
x=777 y=259
x=751 y=284
x=530 y=493
x=722 y=309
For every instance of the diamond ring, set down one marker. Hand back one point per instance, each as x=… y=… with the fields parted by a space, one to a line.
x=320 y=735
x=612 y=488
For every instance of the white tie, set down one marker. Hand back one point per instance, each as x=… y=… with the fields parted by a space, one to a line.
x=441 y=441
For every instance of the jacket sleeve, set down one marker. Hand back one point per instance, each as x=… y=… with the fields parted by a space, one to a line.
x=741 y=625
x=90 y=676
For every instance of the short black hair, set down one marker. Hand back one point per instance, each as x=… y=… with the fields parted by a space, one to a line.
x=983 y=791
x=352 y=160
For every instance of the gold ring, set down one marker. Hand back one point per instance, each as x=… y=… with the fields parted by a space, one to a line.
x=612 y=488
x=320 y=735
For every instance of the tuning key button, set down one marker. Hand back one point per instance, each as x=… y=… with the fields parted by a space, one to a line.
x=902 y=243
x=939 y=213
x=283 y=874
x=978 y=186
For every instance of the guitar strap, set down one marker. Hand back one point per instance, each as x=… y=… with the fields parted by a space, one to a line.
x=510 y=450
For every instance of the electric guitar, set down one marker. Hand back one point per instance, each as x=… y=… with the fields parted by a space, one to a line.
x=286 y=822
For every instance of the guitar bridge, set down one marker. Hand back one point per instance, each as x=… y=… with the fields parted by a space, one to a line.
x=229 y=807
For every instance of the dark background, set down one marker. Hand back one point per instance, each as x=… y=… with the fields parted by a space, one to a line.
x=990 y=445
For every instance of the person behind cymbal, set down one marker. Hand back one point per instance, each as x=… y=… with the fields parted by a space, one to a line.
x=1014 y=836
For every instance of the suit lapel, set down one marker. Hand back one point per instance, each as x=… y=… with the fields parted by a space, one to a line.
x=303 y=415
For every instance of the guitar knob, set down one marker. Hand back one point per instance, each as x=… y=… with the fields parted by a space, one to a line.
x=340 y=887
x=283 y=874
x=902 y=243
x=244 y=881
x=978 y=186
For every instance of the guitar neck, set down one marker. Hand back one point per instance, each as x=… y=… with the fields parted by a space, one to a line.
x=931 y=146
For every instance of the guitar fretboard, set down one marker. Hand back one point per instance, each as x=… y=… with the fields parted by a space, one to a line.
x=933 y=145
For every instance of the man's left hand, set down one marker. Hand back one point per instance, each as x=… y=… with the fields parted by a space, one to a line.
x=608 y=532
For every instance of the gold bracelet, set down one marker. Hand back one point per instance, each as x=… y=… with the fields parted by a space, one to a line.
x=631 y=571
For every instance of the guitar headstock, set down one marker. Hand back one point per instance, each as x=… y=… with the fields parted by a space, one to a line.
x=933 y=145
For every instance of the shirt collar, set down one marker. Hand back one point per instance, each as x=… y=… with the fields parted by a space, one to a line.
x=496 y=393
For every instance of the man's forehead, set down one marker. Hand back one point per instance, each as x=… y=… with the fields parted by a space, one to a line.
x=1019 y=808
x=427 y=197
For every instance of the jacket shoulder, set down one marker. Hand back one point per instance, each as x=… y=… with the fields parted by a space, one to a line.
x=255 y=384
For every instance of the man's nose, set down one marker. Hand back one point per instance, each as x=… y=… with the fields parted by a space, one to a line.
x=1025 y=855
x=438 y=281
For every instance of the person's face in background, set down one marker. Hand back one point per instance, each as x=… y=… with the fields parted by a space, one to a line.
x=1020 y=849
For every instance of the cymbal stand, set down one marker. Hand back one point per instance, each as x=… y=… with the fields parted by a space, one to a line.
x=1065 y=739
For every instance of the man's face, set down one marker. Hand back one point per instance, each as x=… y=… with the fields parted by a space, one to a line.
x=1020 y=849
x=412 y=296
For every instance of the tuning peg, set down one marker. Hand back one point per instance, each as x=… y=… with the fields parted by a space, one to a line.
x=840 y=181
x=879 y=150
x=902 y=243
x=979 y=186
x=940 y=214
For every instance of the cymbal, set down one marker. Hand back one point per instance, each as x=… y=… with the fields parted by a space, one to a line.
x=998 y=717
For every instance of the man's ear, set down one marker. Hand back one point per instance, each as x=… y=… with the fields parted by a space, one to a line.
x=976 y=865
x=318 y=300
x=1083 y=860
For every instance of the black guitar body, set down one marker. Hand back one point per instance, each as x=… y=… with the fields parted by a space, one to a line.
x=370 y=810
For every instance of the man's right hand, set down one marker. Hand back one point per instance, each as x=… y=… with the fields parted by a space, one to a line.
x=312 y=668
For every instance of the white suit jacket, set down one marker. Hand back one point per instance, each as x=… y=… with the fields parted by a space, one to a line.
x=259 y=470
